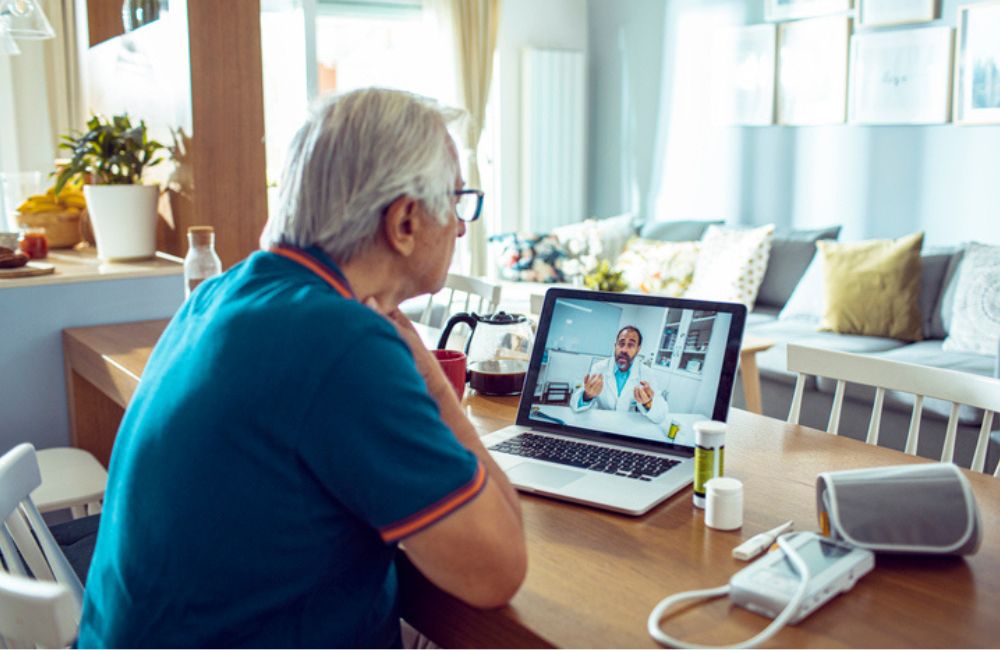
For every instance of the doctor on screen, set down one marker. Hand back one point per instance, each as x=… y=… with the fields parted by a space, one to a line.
x=619 y=386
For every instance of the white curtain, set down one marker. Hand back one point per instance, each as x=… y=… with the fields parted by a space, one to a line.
x=474 y=25
x=40 y=94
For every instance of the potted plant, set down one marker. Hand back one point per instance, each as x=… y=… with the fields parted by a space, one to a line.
x=111 y=156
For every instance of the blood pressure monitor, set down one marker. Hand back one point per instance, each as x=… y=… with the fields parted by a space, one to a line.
x=768 y=585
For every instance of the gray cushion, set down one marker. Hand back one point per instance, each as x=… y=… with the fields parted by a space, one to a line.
x=935 y=264
x=926 y=353
x=762 y=314
x=791 y=252
x=676 y=230
x=941 y=319
x=773 y=363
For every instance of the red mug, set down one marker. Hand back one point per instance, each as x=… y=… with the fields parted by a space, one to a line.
x=453 y=364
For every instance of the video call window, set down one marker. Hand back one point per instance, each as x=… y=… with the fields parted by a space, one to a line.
x=636 y=370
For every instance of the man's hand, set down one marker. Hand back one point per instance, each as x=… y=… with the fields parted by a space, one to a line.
x=592 y=386
x=644 y=394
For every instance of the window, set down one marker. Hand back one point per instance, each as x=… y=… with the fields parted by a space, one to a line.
x=315 y=47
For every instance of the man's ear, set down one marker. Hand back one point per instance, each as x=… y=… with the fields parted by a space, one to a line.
x=400 y=225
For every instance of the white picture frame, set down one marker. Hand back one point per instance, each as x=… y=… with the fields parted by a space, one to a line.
x=977 y=64
x=901 y=77
x=743 y=75
x=812 y=71
x=882 y=13
x=780 y=10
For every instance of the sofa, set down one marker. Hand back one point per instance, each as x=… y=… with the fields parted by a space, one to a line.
x=791 y=255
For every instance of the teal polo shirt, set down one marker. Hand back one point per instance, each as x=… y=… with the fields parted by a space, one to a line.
x=280 y=444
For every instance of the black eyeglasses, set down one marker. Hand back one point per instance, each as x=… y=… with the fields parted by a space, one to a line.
x=468 y=204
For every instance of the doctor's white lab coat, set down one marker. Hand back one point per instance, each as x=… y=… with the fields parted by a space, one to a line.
x=609 y=398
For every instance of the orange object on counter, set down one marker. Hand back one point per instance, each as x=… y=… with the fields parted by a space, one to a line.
x=35 y=244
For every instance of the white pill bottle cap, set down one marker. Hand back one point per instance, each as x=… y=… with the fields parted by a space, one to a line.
x=709 y=433
x=724 y=503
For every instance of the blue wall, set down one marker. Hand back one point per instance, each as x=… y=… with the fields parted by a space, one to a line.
x=876 y=181
x=33 y=406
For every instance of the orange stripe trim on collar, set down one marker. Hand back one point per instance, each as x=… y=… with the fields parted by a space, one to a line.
x=316 y=267
x=437 y=511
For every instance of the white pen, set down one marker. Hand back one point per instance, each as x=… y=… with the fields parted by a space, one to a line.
x=757 y=544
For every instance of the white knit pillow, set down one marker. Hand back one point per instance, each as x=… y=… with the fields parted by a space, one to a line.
x=731 y=264
x=975 y=320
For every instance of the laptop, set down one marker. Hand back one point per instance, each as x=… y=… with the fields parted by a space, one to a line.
x=613 y=389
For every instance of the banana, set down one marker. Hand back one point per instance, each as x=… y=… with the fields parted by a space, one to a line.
x=71 y=197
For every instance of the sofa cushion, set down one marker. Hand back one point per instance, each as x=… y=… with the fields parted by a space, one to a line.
x=937 y=270
x=676 y=230
x=791 y=252
x=599 y=239
x=934 y=268
x=731 y=264
x=806 y=303
x=975 y=323
x=659 y=267
x=873 y=287
x=925 y=353
x=762 y=314
x=941 y=320
x=773 y=363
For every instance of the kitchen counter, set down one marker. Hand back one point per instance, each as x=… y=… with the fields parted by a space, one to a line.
x=84 y=266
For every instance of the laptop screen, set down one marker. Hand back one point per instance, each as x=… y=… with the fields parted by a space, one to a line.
x=629 y=366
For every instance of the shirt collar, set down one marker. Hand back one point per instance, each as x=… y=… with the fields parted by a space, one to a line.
x=315 y=260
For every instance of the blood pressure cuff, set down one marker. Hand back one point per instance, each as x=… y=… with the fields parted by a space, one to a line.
x=925 y=508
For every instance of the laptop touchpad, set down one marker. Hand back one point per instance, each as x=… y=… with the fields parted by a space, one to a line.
x=542 y=476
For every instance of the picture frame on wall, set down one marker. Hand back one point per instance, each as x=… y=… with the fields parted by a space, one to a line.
x=812 y=71
x=779 y=10
x=977 y=64
x=882 y=13
x=743 y=71
x=901 y=77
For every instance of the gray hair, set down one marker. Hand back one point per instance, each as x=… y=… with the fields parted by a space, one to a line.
x=356 y=154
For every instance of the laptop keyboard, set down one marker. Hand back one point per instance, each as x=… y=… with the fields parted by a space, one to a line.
x=630 y=464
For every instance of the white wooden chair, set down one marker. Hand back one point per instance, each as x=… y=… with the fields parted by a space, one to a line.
x=922 y=381
x=42 y=609
x=71 y=478
x=463 y=293
x=537 y=301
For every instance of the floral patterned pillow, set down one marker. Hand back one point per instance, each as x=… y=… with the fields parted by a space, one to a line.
x=527 y=257
x=661 y=267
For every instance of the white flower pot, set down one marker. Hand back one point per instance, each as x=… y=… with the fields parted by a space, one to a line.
x=124 y=220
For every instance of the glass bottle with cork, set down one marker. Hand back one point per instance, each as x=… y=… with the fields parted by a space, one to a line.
x=201 y=261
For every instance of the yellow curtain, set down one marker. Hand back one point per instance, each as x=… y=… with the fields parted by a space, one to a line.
x=63 y=80
x=475 y=24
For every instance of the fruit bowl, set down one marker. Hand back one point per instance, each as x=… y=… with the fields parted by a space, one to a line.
x=62 y=227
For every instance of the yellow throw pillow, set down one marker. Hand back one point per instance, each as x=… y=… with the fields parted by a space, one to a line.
x=873 y=287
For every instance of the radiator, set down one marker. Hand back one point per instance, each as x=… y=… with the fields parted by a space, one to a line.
x=553 y=143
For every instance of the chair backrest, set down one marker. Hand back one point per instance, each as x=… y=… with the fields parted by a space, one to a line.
x=922 y=381
x=36 y=613
x=463 y=293
x=536 y=302
x=26 y=544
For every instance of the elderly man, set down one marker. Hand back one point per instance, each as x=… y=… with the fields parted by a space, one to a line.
x=291 y=431
x=618 y=384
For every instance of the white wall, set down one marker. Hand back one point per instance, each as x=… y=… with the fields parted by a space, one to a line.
x=555 y=24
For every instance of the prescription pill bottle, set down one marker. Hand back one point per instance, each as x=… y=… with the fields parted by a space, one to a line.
x=709 y=455
x=724 y=503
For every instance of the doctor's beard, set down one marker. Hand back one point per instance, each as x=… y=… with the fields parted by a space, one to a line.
x=623 y=361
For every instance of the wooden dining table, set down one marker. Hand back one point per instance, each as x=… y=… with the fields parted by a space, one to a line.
x=594 y=576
